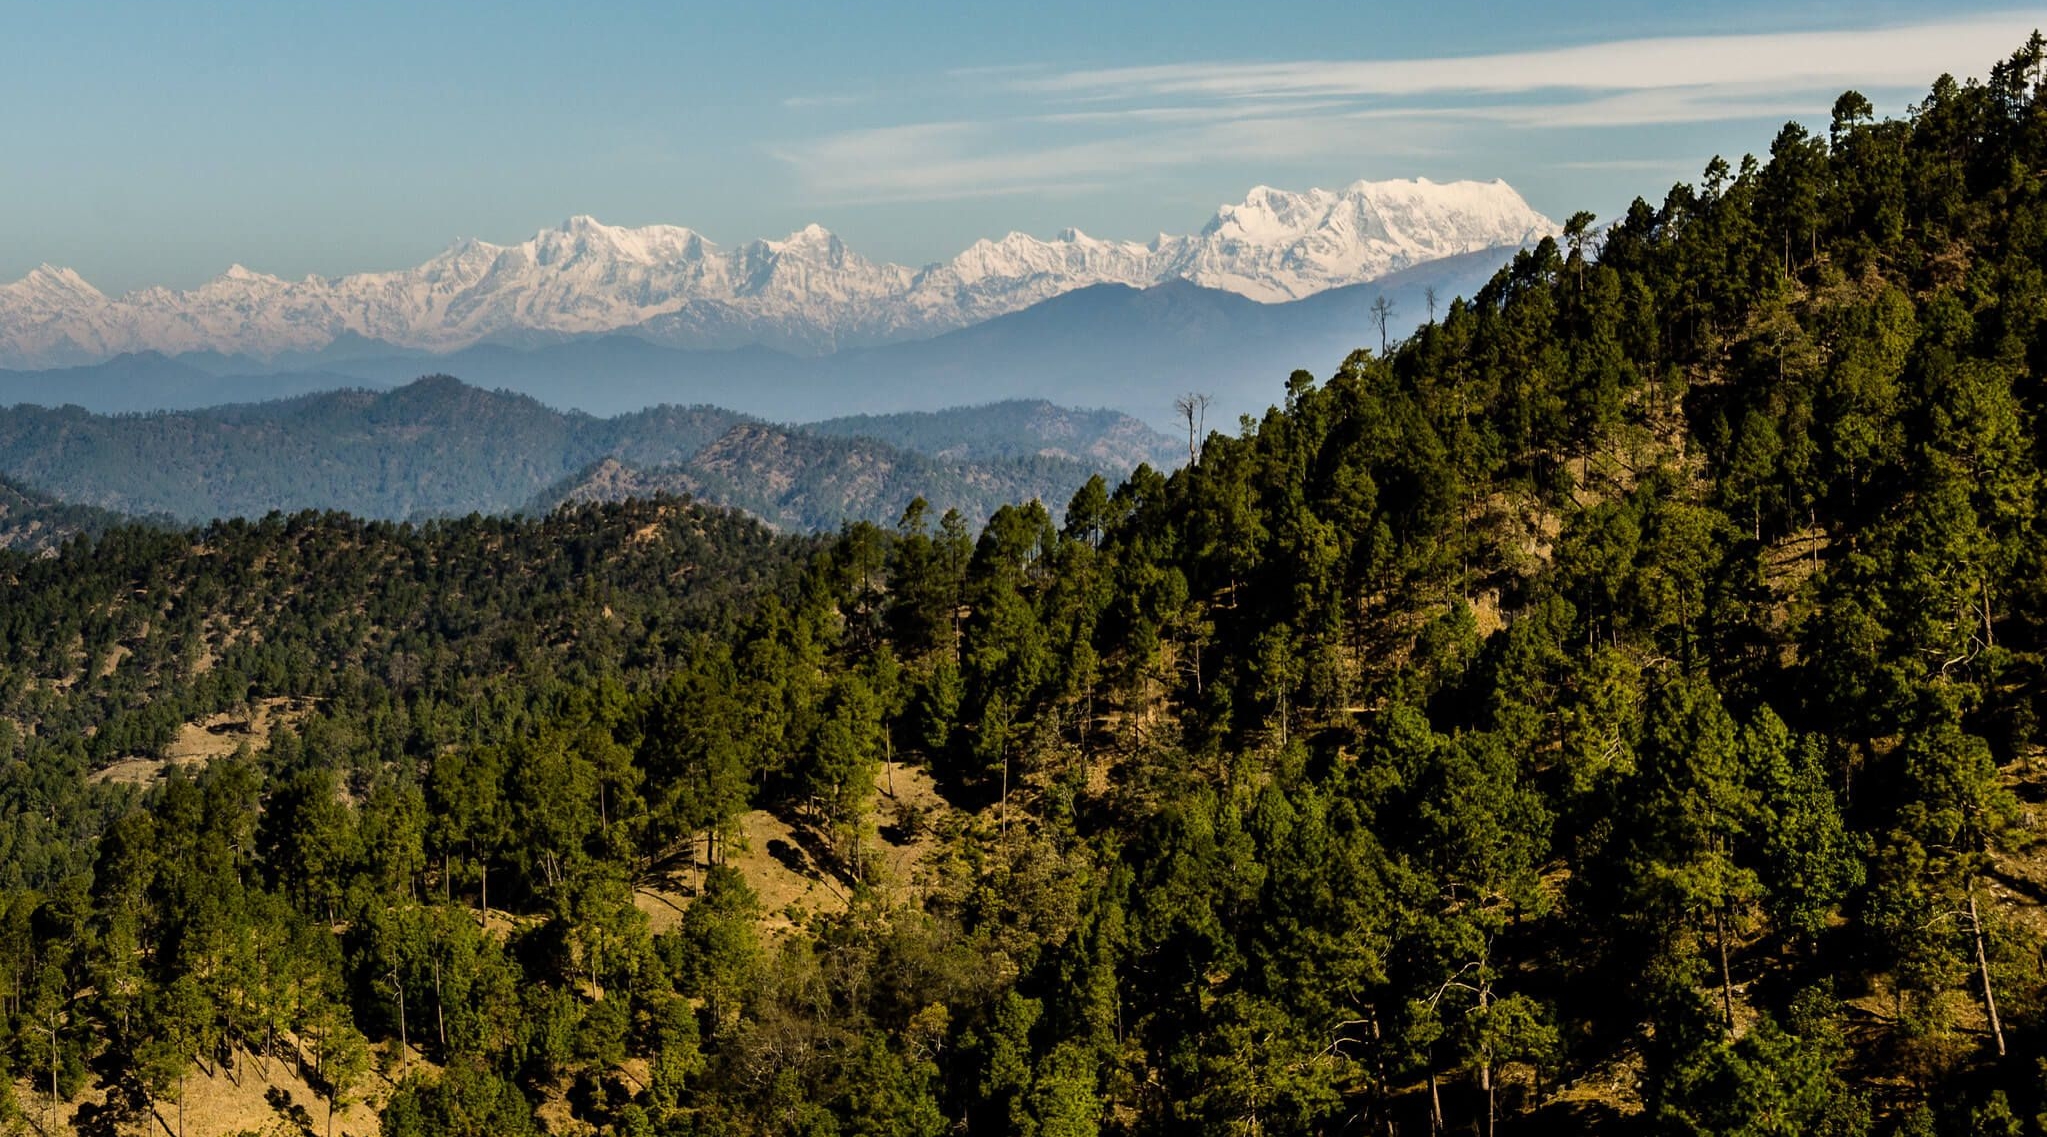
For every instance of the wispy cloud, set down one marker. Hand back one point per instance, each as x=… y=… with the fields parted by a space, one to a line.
x=803 y=102
x=954 y=160
x=998 y=70
x=1186 y=114
x=1632 y=165
x=1640 y=108
x=1894 y=56
x=1067 y=130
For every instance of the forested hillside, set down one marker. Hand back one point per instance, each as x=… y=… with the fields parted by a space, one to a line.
x=1614 y=709
x=36 y=522
x=437 y=447
x=1019 y=428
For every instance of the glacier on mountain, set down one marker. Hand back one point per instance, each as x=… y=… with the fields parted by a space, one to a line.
x=807 y=293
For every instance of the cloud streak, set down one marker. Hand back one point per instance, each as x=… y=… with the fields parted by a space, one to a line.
x=1068 y=130
x=1907 y=55
x=956 y=160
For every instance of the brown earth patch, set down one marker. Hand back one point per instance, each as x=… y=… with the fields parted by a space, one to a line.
x=792 y=867
x=198 y=743
x=245 y=1095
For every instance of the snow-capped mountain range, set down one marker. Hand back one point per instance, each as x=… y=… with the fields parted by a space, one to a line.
x=806 y=293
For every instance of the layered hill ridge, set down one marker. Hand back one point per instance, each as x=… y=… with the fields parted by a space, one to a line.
x=1615 y=709
x=33 y=521
x=1133 y=350
x=440 y=447
x=807 y=293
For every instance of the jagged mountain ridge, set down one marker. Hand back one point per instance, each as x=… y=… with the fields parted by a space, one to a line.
x=807 y=293
x=1107 y=345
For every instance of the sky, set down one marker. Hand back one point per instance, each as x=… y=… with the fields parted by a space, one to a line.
x=152 y=143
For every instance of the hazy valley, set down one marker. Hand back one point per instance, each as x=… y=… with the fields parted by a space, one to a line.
x=438 y=448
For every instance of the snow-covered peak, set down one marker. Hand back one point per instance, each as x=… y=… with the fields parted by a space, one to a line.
x=51 y=281
x=806 y=291
x=49 y=272
x=811 y=236
x=1268 y=215
x=583 y=239
x=1278 y=245
x=242 y=275
x=1022 y=264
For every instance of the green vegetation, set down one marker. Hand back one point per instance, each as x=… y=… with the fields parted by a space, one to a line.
x=36 y=522
x=1019 y=428
x=798 y=481
x=1614 y=709
x=439 y=448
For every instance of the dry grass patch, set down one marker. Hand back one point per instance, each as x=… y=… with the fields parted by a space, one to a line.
x=246 y=1095
x=198 y=743
x=793 y=870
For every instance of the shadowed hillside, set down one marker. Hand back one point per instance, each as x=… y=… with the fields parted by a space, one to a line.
x=438 y=447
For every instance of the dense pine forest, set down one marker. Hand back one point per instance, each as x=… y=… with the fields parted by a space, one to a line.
x=33 y=521
x=1614 y=709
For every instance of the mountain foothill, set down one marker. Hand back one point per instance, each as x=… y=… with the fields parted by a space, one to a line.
x=251 y=394
x=1610 y=704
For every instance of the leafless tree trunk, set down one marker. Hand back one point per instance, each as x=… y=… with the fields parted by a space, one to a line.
x=1435 y=1103
x=440 y=1018
x=1382 y=315
x=398 y=989
x=1726 y=976
x=1194 y=408
x=1983 y=969
x=53 y=1070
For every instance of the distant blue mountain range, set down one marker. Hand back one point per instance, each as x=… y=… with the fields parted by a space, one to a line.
x=1110 y=346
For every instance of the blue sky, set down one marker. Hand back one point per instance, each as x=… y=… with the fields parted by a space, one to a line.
x=153 y=143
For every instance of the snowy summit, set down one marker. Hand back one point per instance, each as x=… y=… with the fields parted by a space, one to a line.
x=806 y=292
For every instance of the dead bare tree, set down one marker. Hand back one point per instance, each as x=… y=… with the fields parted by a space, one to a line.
x=1382 y=315
x=1193 y=407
